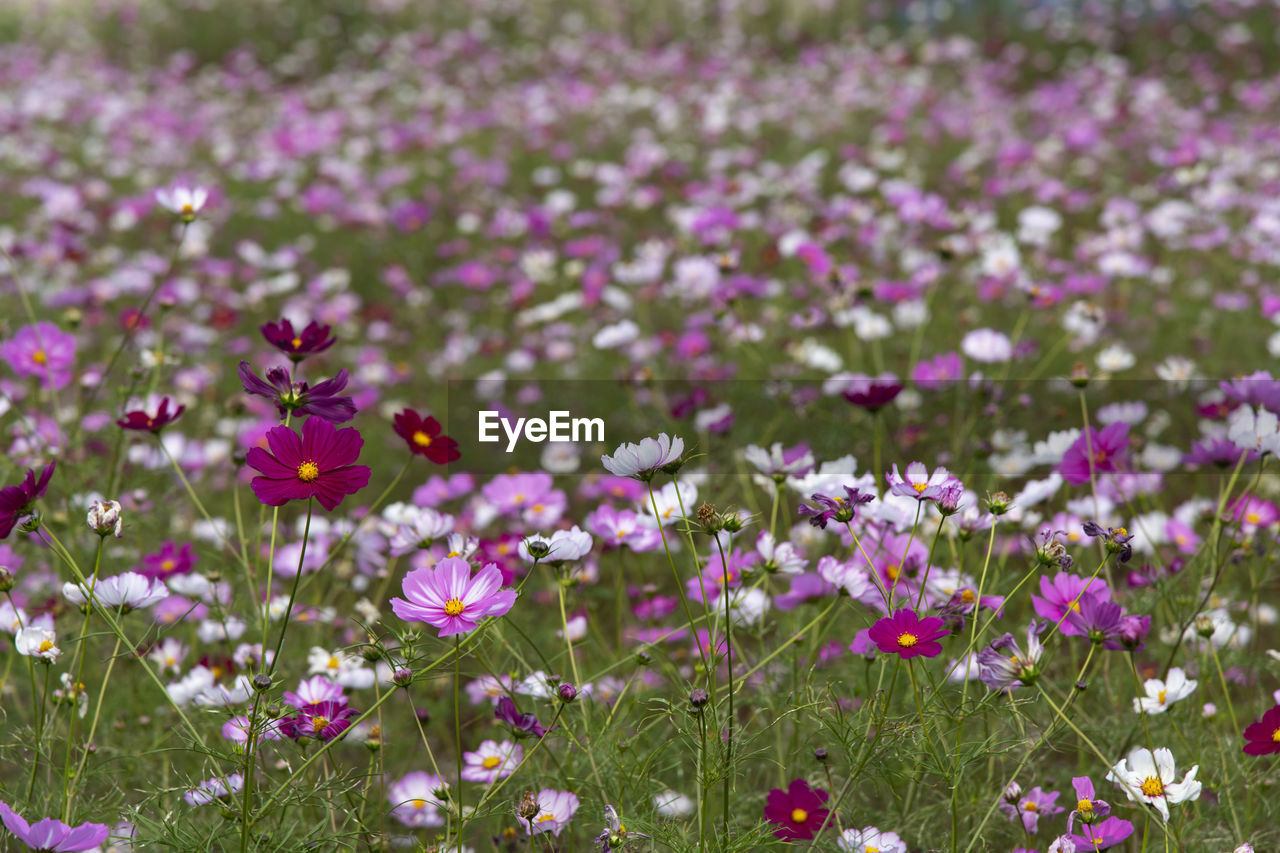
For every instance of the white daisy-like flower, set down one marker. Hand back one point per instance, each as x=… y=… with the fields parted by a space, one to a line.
x=987 y=346
x=643 y=460
x=871 y=839
x=1150 y=778
x=184 y=201
x=1161 y=694
x=37 y=642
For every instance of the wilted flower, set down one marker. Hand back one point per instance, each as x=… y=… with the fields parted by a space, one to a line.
x=141 y=421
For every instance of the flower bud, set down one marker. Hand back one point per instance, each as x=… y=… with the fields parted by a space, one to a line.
x=402 y=677
x=6 y=579
x=567 y=692
x=262 y=682
x=1012 y=793
x=698 y=698
x=104 y=518
x=998 y=503
x=820 y=753
x=1204 y=625
x=527 y=808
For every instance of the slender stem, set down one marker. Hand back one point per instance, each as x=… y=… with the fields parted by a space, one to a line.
x=293 y=592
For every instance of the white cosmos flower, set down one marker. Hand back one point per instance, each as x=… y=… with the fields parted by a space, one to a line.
x=644 y=459
x=987 y=346
x=673 y=804
x=1254 y=430
x=668 y=500
x=1150 y=778
x=870 y=838
x=1160 y=694
x=37 y=642
x=185 y=201
x=129 y=591
x=562 y=545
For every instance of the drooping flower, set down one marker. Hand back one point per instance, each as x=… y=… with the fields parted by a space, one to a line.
x=1262 y=736
x=491 y=761
x=872 y=392
x=1094 y=452
x=615 y=834
x=44 y=351
x=319 y=464
x=1030 y=807
x=1160 y=694
x=563 y=545
x=1000 y=670
x=907 y=635
x=645 y=459
x=51 y=834
x=424 y=438
x=315 y=338
x=522 y=725
x=141 y=421
x=16 y=501
x=1088 y=809
x=301 y=399
x=1148 y=777
x=447 y=597
x=798 y=812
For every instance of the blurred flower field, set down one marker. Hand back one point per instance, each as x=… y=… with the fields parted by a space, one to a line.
x=552 y=426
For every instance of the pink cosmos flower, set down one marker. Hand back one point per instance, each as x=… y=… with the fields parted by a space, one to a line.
x=320 y=464
x=918 y=482
x=1065 y=592
x=449 y=598
x=906 y=634
x=1107 y=445
x=42 y=350
x=51 y=834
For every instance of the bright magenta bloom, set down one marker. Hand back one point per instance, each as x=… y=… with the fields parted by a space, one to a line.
x=906 y=634
x=1262 y=737
x=318 y=465
x=447 y=597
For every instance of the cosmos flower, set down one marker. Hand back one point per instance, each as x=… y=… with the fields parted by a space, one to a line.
x=1262 y=736
x=872 y=393
x=37 y=642
x=1063 y=593
x=1031 y=807
x=798 y=812
x=447 y=597
x=183 y=200
x=1161 y=694
x=1097 y=618
x=1088 y=809
x=51 y=834
x=128 y=591
x=297 y=345
x=301 y=399
x=906 y=634
x=321 y=720
x=1099 y=836
x=424 y=438
x=778 y=462
x=491 y=761
x=522 y=725
x=615 y=834
x=918 y=482
x=563 y=545
x=319 y=464
x=555 y=810
x=140 y=421
x=870 y=838
x=835 y=508
x=645 y=459
x=16 y=501
x=1002 y=671
x=212 y=790
x=1148 y=777
x=44 y=351
x=1107 y=446
x=170 y=560
x=417 y=798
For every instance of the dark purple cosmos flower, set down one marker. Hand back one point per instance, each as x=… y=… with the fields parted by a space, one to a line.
x=1031 y=807
x=298 y=345
x=522 y=725
x=288 y=396
x=319 y=464
x=142 y=421
x=835 y=508
x=424 y=438
x=1098 y=618
x=321 y=720
x=53 y=835
x=872 y=392
x=1262 y=736
x=170 y=560
x=1094 y=451
x=798 y=812
x=1219 y=452
x=16 y=501
x=1100 y=836
x=906 y=634
x=1132 y=633
x=1118 y=540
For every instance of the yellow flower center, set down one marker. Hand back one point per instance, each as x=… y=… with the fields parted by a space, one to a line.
x=454 y=607
x=318 y=723
x=1161 y=696
x=45 y=645
x=919 y=487
x=893 y=572
x=968 y=596
x=1085 y=806
x=906 y=641
x=297 y=342
x=1120 y=531
x=421 y=439
x=1075 y=605
x=491 y=762
x=1252 y=518
x=168 y=565
x=546 y=817
x=1152 y=787
x=519 y=498
x=799 y=816
x=334 y=663
x=871 y=849
x=39 y=357
x=419 y=804
x=1030 y=806
x=1275 y=736
x=308 y=471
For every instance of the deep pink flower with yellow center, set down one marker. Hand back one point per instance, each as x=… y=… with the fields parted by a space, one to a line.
x=907 y=635
x=424 y=438
x=319 y=464
x=798 y=812
x=1262 y=737
x=448 y=597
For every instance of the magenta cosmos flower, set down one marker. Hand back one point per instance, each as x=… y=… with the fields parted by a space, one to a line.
x=298 y=344
x=449 y=598
x=53 y=835
x=1107 y=446
x=141 y=420
x=320 y=464
x=1262 y=737
x=798 y=812
x=906 y=634
x=42 y=350
x=424 y=438
x=16 y=501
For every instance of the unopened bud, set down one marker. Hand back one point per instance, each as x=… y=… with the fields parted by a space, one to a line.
x=104 y=518
x=567 y=692
x=698 y=698
x=262 y=682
